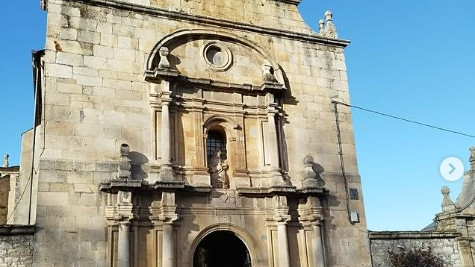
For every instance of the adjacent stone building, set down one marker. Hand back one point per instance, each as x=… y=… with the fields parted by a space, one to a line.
x=450 y=237
x=8 y=176
x=191 y=133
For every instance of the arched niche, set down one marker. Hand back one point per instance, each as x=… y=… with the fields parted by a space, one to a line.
x=235 y=148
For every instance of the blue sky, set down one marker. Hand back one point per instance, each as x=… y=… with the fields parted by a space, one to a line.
x=408 y=58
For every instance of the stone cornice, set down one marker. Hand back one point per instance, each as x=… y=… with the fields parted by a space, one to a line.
x=6 y=230
x=158 y=75
x=292 y=2
x=215 y=21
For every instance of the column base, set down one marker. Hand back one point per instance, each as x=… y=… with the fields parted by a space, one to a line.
x=241 y=179
x=310 y=183
x=201 y=177
x=275 y=176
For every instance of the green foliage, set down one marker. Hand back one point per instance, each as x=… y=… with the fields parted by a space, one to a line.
x=416 y=257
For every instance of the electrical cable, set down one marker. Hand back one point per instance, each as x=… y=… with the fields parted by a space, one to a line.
x=405 y=120
x=342 y=162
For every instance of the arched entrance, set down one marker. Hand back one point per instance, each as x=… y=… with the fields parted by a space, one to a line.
x=221 y=249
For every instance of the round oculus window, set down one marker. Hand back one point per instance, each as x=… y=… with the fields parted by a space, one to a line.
x=217 y=56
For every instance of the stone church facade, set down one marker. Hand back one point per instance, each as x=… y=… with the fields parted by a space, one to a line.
x=191 y=133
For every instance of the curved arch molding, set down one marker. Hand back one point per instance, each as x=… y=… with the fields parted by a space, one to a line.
x=246 y=238
x=256 y=54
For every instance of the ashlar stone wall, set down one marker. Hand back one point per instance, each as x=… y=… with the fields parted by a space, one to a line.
x=95 y=98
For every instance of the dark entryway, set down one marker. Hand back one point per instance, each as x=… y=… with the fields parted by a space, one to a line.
x=221 y=249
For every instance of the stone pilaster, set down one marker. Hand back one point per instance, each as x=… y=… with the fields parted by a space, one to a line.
x=317 y=243
x=166 y=170
x=163 y=217
x=281 y=217
x=123 y=217
x=311 y=218
x=272 y=149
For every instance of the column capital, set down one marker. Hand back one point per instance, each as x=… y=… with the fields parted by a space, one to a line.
x=125 y=223
x=315 y=220
x=166 y=101
x=281 y=218
x=124 y=209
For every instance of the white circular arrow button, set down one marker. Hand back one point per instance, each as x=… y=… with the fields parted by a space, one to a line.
x=452 y=169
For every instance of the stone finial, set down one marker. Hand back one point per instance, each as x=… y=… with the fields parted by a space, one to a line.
x=447 y=203
x=124 y=165
x=164 y=63
x=267 y=73
x=321 y=25
x=472 y=158
x=309 y=175
x=5 y=161
x=308 y=162
x=327 y=28
x=328 y=16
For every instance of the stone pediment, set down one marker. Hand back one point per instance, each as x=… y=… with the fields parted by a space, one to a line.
x=214 y=58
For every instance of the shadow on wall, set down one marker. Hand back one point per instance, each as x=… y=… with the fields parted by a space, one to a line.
x=138 y=160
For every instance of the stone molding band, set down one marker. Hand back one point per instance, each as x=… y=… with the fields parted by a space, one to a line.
x=7 y=230
x=216 y=22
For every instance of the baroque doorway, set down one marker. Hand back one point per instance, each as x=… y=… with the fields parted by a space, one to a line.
x=221 y=249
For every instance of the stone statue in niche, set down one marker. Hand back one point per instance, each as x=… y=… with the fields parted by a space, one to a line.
x=217 y=169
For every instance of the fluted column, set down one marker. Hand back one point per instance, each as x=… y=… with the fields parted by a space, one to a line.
x=166 y=170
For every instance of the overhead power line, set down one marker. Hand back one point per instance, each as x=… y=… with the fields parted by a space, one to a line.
x=405 y=120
